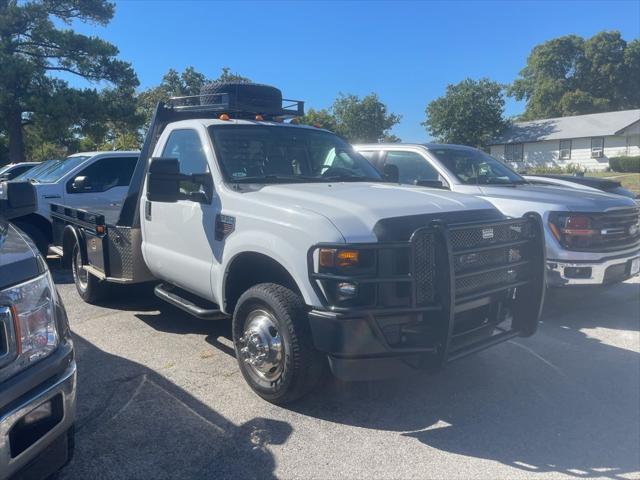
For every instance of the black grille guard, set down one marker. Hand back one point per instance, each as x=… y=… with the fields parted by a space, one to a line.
x=439 y=283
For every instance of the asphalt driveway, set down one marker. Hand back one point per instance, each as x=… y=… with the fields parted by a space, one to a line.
x=160 y=396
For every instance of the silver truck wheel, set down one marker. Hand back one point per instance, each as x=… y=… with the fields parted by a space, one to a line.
x=80 y=275
x=88 y=286
x=273 y=343
x=261 y=346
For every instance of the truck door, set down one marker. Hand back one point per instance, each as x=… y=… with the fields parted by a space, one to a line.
x=101 y=185
x=179 y=237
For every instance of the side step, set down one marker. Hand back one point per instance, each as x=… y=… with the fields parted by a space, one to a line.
x=186 y=301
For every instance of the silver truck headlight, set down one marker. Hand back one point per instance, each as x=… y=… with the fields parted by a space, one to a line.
x=32 y=310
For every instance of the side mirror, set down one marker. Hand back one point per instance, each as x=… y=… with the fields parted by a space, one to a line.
x=17 y=199
x=80 y=184
x=431 y=184
x=391 y=173
x=163 y=180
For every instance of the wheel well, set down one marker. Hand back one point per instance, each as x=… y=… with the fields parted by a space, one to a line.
x=37 y=221
x=249 y=269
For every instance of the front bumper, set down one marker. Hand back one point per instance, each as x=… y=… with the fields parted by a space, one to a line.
x=20 y=452
x=608 y=270
x=463 y=288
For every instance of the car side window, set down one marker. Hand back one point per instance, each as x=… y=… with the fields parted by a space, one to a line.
x=186 y=146
x=412 y=166
x=103 y=175
x=372 y=156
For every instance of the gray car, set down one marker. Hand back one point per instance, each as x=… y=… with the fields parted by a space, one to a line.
x=37 y=365
x=592 y=237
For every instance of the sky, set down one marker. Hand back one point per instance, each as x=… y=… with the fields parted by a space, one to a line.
x=406 y=52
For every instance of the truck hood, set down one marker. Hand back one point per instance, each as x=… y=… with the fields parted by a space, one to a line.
x=356 y=208
x=517 y=200
x=18 y=260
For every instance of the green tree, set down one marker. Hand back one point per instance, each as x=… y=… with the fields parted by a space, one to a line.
x=34 y=45
x=363 y=120
x=176 y=84
x=571 y=75
x=470 y=113
x=320 y=118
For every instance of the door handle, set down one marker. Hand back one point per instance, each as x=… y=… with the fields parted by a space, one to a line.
x=51 y=196
x=147 y=210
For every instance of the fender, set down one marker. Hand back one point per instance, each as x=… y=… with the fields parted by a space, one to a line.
x=259 y=242
x=71 y=235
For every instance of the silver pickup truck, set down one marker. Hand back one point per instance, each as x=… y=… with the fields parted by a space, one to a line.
x=592 y=238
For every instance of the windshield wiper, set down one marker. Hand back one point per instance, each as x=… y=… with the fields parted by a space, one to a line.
x=272 y=179
x=348 y=178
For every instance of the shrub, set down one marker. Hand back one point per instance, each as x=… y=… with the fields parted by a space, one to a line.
x=625 y=164
x=571 y=168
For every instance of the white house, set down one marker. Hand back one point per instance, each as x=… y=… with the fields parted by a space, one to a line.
x=585 y=140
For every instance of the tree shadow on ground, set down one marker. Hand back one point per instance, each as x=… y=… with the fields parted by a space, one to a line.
x=134 y=423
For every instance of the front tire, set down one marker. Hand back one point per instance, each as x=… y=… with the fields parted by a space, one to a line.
x=90 y=288
x=273 y=344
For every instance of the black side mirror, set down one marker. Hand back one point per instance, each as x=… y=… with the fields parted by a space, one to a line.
x=163 y=180
x=17 y=199
x=391 y=173
x=431 y=184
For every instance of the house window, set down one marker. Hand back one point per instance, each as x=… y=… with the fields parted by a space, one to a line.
x=565 y=149
x=514 y=152
x=597 y=147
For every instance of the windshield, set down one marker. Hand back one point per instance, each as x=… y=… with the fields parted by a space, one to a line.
x=57 y=171
x=473 y=167
x=35 y=171
x=276 y=154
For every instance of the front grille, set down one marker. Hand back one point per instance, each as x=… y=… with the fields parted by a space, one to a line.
x=484 y=256
x=487 y=280
x=489 y=235
x=617 y=229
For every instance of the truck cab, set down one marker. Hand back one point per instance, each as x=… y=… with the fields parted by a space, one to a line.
x=37 y=363
x=84 y=180
x=318 y=260
x=592 y=237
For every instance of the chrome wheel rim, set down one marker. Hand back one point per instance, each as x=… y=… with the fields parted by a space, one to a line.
x=80 y=275
x=261 y=346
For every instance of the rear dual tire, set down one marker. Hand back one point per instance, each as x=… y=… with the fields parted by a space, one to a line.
x=90 y=288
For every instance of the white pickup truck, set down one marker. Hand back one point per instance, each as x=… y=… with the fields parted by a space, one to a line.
x=592 y=237
x=317 y=258
x=84 y=180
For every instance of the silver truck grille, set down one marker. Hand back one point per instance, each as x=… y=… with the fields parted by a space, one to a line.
x=617 y=230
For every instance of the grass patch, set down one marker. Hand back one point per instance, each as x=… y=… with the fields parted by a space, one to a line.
x=630 y=181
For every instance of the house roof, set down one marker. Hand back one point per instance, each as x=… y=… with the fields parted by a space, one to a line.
x=579 y=126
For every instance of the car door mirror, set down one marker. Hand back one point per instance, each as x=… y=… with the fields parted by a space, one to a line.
x=81 y=184
x=163 y=180
x=17 y=199
x=391 y=173
x=431 y=184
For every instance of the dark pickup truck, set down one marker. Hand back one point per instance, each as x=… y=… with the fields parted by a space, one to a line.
x=37 y=364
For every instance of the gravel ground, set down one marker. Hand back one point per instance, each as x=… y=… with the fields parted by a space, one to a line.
x=160 y=396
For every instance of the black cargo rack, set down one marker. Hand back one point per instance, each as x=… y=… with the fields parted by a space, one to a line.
x=219 y=103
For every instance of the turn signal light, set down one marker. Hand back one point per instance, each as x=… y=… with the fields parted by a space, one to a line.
x=332 y=257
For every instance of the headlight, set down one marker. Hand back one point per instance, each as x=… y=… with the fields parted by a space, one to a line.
x=30 y=310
